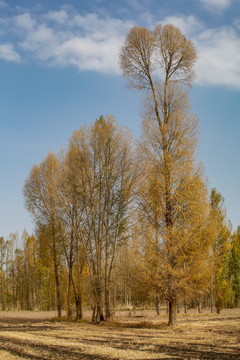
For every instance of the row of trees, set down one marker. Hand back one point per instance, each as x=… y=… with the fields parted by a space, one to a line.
x=118 y=217
x=27 y=280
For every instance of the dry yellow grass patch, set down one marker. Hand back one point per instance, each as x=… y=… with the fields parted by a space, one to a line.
x=4 y=355
x=196 y=337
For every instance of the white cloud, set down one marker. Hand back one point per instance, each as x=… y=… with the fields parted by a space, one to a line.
x=219 y=57
x=89 y=54
x=87 y=42
x=187 y=24
x=39 y=43
x=8 y=53
x=95 y=26
x=138 y=5
x=24 y=22
x=218 y=50
x=60 y=16
x=92 y=42
x=94 y=52
x=216 y=5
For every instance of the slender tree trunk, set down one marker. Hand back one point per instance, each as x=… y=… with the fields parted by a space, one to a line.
x=106 y=282
x=93 y=313
x=115 y=295
x=237 y=302
x=79 y=308
x=185 y=307
x=58 y=295
x=59 y=307
x=157 y=301
x=200 y=306
x=218 y=308
x=99 y=316
x=167 y=307
x=107 y=302
x=107 y=290
x=69 y=311
x=211 y=303
x=2 y=291
x=78 y=300
x=172 y=320
x=100 y=313
x=70 y=274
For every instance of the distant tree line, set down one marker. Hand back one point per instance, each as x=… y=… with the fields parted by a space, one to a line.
x=120 y=222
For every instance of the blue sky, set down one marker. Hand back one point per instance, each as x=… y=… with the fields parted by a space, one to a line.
x=59 y=69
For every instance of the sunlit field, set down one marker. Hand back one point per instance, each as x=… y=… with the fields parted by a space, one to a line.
x=131 y=335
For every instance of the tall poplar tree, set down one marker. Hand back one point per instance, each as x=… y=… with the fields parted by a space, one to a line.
x=173 y=196
x=40 y=190
x=105 y=179
x=70 y=209
x=220 y=287
x=235 y=266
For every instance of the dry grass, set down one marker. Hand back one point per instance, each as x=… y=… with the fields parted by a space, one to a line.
x=5 y=355
x=30 y=335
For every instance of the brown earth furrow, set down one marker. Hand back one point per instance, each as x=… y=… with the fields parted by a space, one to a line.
x=43 y=351
x=208 y=338
x=178 y=351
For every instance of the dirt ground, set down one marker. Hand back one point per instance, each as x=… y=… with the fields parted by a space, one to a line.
x=132 y=335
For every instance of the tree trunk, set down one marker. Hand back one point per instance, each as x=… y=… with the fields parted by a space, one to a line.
x=107 y=303
x=167 y=307
x=236 y=302
x=69 y=312
x=79 y=308
x=185 y=307
x=200 y=306
x=93 y=314
x=70 y=278
x=99 y=317
x=211 y=303
x=218 y=307
x=78 y=291
x=158 y=305
x=2 y=292
x=115 y=295
x=172 y=320
x=59 y=308
x=99 y=304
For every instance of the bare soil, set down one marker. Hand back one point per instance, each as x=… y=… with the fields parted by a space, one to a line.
x=131 y=335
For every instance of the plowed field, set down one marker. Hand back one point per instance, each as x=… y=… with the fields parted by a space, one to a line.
x=136 y=335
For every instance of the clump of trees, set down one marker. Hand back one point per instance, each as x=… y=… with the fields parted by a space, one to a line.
x=84 y=199
x=125 y=223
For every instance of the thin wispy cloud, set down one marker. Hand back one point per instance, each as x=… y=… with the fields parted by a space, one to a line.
x=216 y=5
x=8 y=53
x=24 y=22
x=189 y=25
x=60 y=16
x=88 y=42
x=218 y=50
x=3 y=4
x=219 y=57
